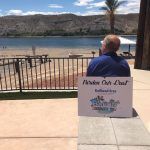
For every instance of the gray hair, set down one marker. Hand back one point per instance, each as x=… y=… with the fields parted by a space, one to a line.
x=112 y=42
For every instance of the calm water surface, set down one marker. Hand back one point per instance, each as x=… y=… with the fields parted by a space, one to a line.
x=57 y=42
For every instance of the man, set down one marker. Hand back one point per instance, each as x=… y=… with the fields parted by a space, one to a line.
x=109 y=64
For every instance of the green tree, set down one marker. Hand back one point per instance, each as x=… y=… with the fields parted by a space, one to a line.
x=110 y=8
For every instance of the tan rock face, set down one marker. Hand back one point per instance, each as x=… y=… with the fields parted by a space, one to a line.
x=68 y=24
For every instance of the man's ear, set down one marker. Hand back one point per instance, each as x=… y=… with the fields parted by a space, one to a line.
x=103 y=46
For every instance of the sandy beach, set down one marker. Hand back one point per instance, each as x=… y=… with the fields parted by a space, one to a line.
x=53 y=52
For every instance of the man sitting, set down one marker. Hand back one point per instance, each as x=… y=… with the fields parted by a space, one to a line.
x=109 y=64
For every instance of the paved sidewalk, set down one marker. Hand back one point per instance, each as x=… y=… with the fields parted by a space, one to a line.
x=112 y=134
x=141 y=94
x=38 y=124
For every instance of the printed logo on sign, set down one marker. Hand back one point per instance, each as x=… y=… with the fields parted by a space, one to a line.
x=104 y=106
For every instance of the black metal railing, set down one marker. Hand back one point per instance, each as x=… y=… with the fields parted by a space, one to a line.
x=38 y=73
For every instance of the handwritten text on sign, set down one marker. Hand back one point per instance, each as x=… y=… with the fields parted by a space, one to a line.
x=111 y=96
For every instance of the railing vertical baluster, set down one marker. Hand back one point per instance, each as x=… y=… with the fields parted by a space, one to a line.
x=50 y=73
x=82 y=66
x=31 y=72
x=73 y=71
x=45 y=60
x=87 y=63
x=36 y=73
x=14 y=72
x=9 y=75
x=54 y=74
x=59 y=72
x=27 y=74
x=77 y=67
x=22 y=74
x=63 y=73
x=68 y=75
x=77 y=73
x=1 y=82
x=18 y=71
x=41 y=75
x=5 y=74
x=31 y=65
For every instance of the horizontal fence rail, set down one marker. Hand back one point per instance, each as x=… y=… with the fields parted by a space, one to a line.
x=38 y=73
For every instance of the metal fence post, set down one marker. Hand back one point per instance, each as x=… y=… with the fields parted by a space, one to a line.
x=19 y=76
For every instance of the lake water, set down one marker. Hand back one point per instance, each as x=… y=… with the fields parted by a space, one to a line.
x=58 y=42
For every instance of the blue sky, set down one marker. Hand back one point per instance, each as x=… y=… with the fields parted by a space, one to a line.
x=50 y=7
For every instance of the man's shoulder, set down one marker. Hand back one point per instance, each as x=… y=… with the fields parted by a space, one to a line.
x=108 y=59
x=123 y=60
x=100 y=58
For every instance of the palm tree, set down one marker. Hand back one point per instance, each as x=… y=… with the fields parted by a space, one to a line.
x=110 y=8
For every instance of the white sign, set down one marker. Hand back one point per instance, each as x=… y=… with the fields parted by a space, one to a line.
x=110 y=96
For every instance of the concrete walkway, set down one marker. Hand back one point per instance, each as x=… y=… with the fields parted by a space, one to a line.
x=38 y=125
x=53 y=124
x=141 y=94
x=99 y=133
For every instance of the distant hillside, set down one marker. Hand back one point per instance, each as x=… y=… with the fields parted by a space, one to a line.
x=67 y=24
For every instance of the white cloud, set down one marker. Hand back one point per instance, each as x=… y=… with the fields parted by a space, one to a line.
x=83 y=2
x=131 y=6
x=14 y=12
x=96 y=5
x=21 y=13
x=90 y=13
x=55 y=6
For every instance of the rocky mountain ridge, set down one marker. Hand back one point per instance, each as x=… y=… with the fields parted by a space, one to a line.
x=65 y=25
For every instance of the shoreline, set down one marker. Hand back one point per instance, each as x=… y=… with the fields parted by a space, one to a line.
x=51 y=52
x=78 y=36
